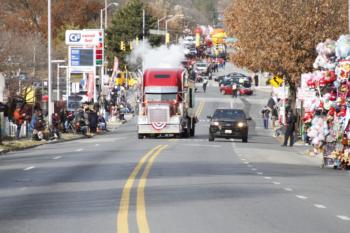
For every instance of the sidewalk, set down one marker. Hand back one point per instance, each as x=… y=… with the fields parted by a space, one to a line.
x=300 y=148
x=25 y=143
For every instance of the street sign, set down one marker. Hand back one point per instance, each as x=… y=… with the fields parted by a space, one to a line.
x=82 y=37
x=276 y=81
x=157 y=32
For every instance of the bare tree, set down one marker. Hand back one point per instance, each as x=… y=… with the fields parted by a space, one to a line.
x=281 y=36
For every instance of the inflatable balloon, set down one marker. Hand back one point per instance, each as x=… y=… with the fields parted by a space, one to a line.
x=336 y=84
x=342 y=49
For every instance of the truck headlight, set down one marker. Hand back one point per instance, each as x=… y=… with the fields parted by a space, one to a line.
x=215 y=123
x=241 y=124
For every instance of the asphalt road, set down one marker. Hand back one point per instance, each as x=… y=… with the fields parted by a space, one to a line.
x=117 y=183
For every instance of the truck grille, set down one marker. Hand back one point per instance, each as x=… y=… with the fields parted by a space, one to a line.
x=158 y=114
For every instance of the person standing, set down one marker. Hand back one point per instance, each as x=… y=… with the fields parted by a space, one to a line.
x=234 y=90
x=205 y=83
x=93 y=120
x=266 y=114
x=33 y=123
x=274 y=116
x=256 y=80
x=19 y=119
x=290 y=128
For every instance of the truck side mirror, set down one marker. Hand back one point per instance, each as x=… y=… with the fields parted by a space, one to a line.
x=209 y=117
x=249 y=118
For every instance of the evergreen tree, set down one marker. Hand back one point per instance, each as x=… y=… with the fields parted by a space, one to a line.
x=127 y=25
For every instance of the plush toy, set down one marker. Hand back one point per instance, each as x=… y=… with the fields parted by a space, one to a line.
x=331 y=111
x=342 y=112
x=333 y=96
x=311 y=84
x=330 y=76
x=322 y=82
x=342 y=70
x=307 y=117
x=326 y=54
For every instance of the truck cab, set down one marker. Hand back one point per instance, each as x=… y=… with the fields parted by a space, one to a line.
x=167 y=105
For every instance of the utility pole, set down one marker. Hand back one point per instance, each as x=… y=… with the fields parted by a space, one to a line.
x=144 y=23
x=50 y=110
x=34 y=62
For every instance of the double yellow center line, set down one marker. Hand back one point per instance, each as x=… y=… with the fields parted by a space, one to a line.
x=200 y=108
x=141 y=217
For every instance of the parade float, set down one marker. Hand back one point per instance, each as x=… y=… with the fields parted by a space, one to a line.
x=325 y=95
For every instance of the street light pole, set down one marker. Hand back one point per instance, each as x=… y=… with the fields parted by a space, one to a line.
x=101 y=19
x=106 y=14
x=161 y=19
x=50 y=110
x=58 y=76
x=172 y=18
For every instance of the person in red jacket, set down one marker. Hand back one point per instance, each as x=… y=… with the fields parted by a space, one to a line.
x=18 y=117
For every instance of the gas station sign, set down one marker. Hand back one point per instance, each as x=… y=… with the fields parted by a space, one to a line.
x=82 y=37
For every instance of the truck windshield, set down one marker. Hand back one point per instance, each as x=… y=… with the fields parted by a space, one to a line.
x=160 y=97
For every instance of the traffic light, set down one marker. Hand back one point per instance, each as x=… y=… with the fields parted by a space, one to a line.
x=122 y=46
x=130 y=45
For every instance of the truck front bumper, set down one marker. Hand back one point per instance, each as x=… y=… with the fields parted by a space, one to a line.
x=168 y=129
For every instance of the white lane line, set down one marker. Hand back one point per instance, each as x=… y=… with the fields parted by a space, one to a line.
x=28 y=168
x=276 y=183
x=301 y=197
x=57 y=157
x=259 y=173
x=97 y=144
x=239 y=155
x=253 y=169
x=243 y=159
x=320 y=206
x=246 y=162
x=343 y=217
x=288 y=189
x=78 y=150
x=267 y=178
x=200 y=145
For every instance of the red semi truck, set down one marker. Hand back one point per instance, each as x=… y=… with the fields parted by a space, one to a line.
x=167 y=103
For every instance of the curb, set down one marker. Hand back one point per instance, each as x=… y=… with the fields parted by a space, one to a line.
x=45 y=143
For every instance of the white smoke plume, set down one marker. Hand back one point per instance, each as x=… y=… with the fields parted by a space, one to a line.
x=163 y=56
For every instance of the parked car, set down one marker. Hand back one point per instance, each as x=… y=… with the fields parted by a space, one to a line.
x=219 y=78
x=202 y=68
x=189 y=40
x=227 y=89
x=247 y=81
x=193 y=51
x=229 y=123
